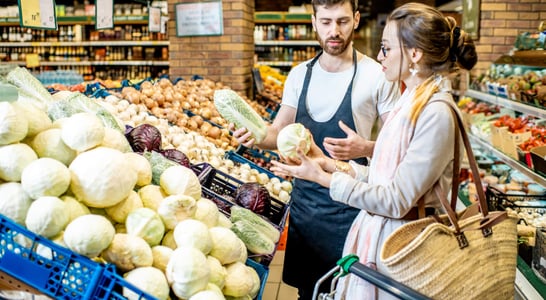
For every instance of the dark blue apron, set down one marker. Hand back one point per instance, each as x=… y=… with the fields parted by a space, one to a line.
x=318 y=225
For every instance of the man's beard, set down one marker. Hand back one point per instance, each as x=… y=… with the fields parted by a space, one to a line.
x=337 y=50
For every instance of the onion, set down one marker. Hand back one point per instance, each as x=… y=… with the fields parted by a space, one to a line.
x=214 y=132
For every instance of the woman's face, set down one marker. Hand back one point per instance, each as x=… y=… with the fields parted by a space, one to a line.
x=390 y=54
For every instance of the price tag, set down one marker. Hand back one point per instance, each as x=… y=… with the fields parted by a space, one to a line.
x=33 y=60
x=154 y=19
x=164 y=20
x=37 y=14
x=104 y=14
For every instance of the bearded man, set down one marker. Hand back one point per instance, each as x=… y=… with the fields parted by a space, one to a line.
x=338 y=96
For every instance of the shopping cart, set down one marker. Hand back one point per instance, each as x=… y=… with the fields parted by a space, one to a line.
x=350 y=264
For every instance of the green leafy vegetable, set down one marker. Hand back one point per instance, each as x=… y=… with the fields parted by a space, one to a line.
x=235 y=110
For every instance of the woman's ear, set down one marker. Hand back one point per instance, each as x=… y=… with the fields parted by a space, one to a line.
x=415 y=55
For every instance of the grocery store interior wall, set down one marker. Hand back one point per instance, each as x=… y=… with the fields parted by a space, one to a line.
x=501 y=22
x=226 y=58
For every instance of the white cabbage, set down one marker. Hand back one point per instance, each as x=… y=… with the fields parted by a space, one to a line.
x=149 y=280
x=177 y=180
x=193 y=233
x=292 y=137
x=147 y=224
x=187 y=272
x=176 y=208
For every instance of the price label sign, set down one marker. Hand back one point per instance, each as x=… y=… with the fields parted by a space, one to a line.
x=154 y=19
x=32 y=60
x=199 y=18
x=37 y=14
x=104 y=14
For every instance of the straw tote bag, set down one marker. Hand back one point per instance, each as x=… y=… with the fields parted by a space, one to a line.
x=470 y=254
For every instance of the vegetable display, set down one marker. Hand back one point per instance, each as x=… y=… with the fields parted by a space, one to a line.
x=129 y=199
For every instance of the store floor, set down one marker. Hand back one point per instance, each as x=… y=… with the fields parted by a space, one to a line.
x=275 y=289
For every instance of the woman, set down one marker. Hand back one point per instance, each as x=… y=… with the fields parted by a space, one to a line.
x=414 y=149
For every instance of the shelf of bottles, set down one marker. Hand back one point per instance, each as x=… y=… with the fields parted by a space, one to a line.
x=107 y=54
x=284 y=45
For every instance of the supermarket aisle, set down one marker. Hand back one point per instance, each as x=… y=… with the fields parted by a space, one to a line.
x=274 y=288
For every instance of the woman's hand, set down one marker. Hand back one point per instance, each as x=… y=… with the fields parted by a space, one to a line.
x=310 y=167
x=307 y=169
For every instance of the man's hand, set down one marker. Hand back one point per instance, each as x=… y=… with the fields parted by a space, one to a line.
x=242 y=135
x=351 y=147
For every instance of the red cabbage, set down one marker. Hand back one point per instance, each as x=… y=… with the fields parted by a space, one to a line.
x=253 y=196
x=144 y=137
x=177 y=156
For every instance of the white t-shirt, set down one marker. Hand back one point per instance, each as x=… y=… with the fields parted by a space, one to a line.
x=372 y=94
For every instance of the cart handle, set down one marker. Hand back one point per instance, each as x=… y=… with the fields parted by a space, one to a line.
x=350 y=264
x=346 y=262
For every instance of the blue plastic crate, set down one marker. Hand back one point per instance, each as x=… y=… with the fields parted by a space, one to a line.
x=234 y=156
x=266 y=155
x=51 y=269
x=263 y=272
x=110 y=286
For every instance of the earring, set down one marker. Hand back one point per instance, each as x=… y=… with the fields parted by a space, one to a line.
x=413 y=70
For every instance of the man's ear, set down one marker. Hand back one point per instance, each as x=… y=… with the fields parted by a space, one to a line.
x=357 y=19
x=313 y=23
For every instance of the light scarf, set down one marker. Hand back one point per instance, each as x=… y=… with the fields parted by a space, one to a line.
x=364 y=235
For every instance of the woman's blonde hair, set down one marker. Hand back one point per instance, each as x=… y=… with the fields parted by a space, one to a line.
x=445 y=47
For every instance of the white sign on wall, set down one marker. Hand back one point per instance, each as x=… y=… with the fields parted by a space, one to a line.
x=199 y=18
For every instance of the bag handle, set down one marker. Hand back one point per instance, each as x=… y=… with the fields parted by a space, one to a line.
x=489 y=219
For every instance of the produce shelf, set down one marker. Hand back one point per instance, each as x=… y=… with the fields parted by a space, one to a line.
x=515 y=164
x=508 y=103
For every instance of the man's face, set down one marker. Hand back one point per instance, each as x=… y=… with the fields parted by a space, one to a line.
x=335 y=27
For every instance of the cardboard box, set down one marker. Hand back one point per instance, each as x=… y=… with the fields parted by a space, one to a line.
x=510 y=142
x=497 y=134
x=537 y=156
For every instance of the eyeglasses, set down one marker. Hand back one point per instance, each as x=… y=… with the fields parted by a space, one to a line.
x=384 y=50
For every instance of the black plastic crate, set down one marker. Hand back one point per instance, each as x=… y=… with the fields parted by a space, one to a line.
x=266 y=155
x=220 y=188
x=497 y=200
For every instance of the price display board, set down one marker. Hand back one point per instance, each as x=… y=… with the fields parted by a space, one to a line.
x=104 y=14
x=38 y=14
x=201 y=18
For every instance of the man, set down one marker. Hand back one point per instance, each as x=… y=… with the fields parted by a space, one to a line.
x=338 y=96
